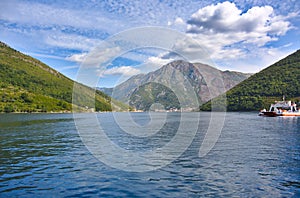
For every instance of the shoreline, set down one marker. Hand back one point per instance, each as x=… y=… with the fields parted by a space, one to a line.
x=70 y=112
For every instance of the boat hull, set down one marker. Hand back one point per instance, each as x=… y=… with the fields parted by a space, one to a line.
x=269 y=114
x=274 y=114
x=290 y=114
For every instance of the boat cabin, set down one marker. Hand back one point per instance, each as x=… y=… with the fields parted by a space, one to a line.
x=283 y=106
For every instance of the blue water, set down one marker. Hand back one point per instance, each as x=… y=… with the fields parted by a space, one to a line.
x=43 y=155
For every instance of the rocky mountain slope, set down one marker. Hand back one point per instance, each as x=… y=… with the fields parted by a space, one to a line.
x=179 y=79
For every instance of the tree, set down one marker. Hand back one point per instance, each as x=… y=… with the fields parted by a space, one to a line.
x=25 y=98
x=8 y=109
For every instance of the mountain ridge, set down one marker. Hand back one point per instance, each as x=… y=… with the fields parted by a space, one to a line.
x=184 y=74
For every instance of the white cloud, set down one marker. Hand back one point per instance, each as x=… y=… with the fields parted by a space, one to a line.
x=123 y=70
x=258 y=59
x=79 y=58
x=226 y=18
x=97 y=58
x=153 y=63
x=178 y=24
x=179 y=21
x=71 y=41
x=159 y=60
x=47 y=15
x=68 y=68
x=227 y=32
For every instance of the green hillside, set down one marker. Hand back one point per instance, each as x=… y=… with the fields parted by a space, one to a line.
x=150 y=93
x=28 y=85
x=263 y=88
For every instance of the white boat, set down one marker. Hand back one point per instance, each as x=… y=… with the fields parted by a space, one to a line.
x=281 y=108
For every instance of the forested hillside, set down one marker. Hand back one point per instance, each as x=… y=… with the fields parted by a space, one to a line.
x=28 y=85
x=263 y=88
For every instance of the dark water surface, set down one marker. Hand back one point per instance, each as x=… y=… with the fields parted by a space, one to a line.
x=43 y=155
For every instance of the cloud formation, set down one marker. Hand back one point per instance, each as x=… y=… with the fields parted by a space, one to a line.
x=79 y=58
x=123 y=70
x=97 y=58
x=234 y=33
x=225 y=30
x=258 y=25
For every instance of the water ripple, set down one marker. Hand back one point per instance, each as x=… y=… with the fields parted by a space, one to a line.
x=42 y=155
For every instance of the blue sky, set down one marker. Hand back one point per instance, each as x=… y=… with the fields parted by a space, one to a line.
x=241 y=35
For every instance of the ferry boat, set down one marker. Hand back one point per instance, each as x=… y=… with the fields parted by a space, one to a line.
x=281 y=108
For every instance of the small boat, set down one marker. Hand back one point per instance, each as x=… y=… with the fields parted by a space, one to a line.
x=281 y=108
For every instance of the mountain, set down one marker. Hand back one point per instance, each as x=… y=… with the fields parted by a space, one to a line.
x=154 y=93
x=107 y=91
x=174 y=83
x=264 y=87
x=28 y=85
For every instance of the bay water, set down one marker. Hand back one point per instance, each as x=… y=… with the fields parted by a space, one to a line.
x=44 y=155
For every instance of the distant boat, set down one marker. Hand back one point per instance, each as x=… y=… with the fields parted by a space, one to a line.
x=281 y=108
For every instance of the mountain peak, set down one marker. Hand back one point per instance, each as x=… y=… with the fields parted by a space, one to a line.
x=178 y=74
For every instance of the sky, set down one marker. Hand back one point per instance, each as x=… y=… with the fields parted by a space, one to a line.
x=240 y=35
